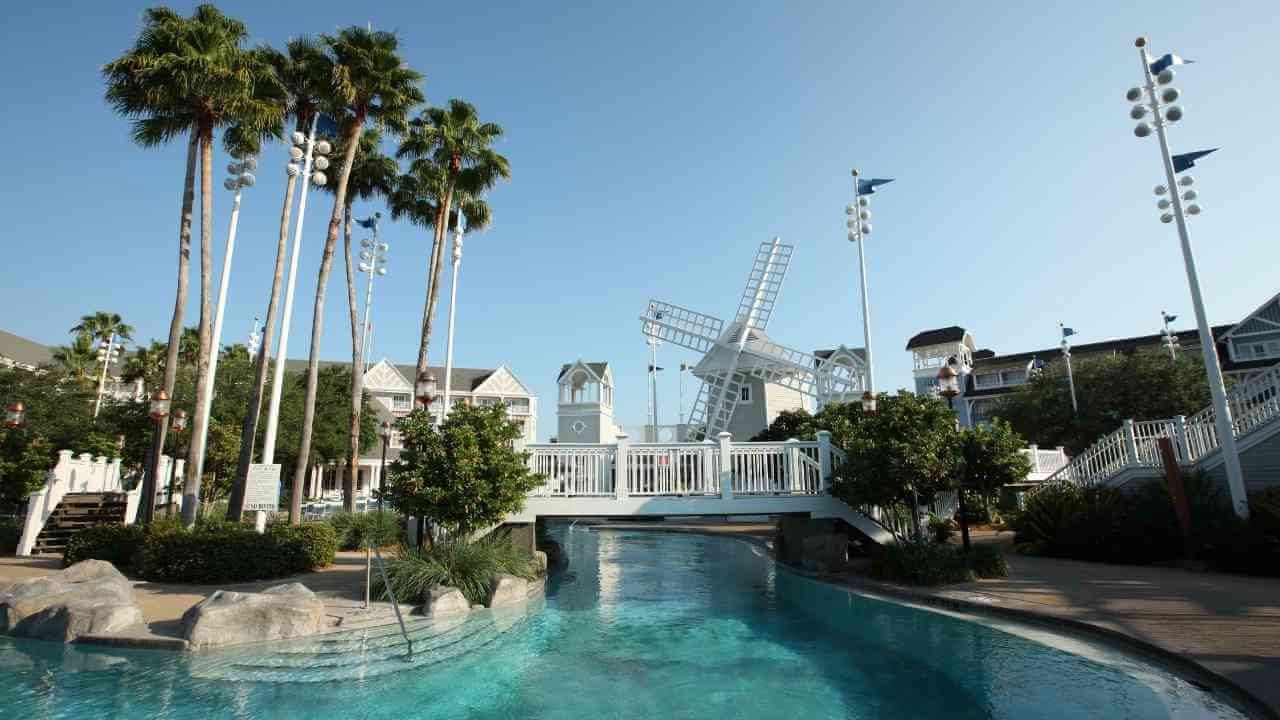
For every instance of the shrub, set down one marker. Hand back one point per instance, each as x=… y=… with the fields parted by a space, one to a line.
x=117 y=544
x=931 y=564
x=939 y=529
x=10 y=535
x=469 y=566
x=373 y=528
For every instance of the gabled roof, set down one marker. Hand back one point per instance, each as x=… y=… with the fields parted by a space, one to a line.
x=939 y=336
x=598 y=368
x=860 y=353
x=1266 y=318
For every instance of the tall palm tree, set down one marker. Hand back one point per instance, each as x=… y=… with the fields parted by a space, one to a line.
x=455 y=140
x=102 y=325
x=77 y=359
x=193 y=75
x=303 y=70
x=371 y=84
x=373 y=175
x=145 y=364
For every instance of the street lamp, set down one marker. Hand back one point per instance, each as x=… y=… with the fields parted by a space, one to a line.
x=1066 y=355
x=255 y=339
x=159 y=410
x=1156 y=98
x=1169 y=339
x=859 y=224
x=108 y=353
x=453 y=306
x=15 y=416
x=309 y=151
x=869 y=403
x=949 y=388
x=373 y=260
x=425 y=390
x=240 y=177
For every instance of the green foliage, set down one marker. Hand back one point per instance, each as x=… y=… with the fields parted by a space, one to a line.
x=357 y=530
x=1144 y=385
x=468 y=566
x=10 y=534
x=991 y=458
x=935 y=564
x=116 y=544
x=940 y=530
x=329 y=439
x=464 y=475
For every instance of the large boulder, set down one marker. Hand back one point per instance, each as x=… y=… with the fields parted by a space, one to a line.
x=508 y=590
x=442 y=600
x=232 y=618
x=540 y=562
x=88 y=597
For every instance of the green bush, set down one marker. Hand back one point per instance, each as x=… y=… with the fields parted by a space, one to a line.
x=939 y=529
x=212 y=553
x=933 y=564
x=10 y=535
x=469 y=566
x=117 y=544
x=372 y=528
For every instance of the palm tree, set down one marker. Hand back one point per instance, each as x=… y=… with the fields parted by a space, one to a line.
x=102 y=325
x=145 y=364
x=371 y=83
x=373 y=175
x=457 y=142
x=77 y=359
x=303 y=70
x=192 y=75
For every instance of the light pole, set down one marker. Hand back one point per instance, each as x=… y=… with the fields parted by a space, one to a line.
x=1170 y=341
x=424 y=391
x=1066 y=355
x=1156 y=98
x=255 y=338
x=373 y=260
x=684 y=368
x=859 y=224
x=15 y=416
x=306 y=149
x=241 y=177
x=949 y=388
x=158 y=411
x=453 y=304
x=108 y=353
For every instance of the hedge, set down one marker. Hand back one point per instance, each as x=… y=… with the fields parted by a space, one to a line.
x=208 y=554
x=935 y=564
x=10 y=536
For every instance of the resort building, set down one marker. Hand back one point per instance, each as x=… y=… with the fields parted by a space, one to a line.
x=1244 y=349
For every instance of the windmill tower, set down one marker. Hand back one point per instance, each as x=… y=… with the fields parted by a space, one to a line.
x=736 y=359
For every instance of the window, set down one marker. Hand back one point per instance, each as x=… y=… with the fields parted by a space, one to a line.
x=1257 y=347
x=744 y=394
x=486 y=401
x=986 y=380
x=401 y=401
x=517 y=405
x=1014 y=377
x=395 y=441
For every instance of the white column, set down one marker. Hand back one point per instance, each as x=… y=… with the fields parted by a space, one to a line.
x=453 y=306
x=1130 y=443
x=620 y=488
x=1180 y=434
x=866 y=301
x=726 y=465
x=824 y=457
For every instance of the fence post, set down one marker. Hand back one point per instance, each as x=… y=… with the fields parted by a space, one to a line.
x=620 y=489
x=792 y=455
x=1130 y=443
x=824 y=458
x=726 y=466
x=1035 y=457
x=1180 y=433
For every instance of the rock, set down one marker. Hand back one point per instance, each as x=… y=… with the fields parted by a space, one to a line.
x=441 y=600
x=88 y=597
x=477 y=606
x=508 y=590
x=540 y=562
x=824 y=553
x=232 y=618
x=556 y=557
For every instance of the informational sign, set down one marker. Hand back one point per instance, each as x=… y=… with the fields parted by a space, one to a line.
x=262 y=490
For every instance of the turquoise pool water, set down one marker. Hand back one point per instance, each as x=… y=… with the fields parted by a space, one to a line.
x=639 y=626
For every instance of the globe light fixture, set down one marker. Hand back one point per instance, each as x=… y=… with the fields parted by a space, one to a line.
x=868 y=403
x=1138 y=112
x=1133 y=94
x=948 y=382
x=15 y=416
x=1173 y=113
x=1186 y=181
x=179 y=422
x=159 y=409
x=1142 y=129
x=1161 y=190
x=425 y=388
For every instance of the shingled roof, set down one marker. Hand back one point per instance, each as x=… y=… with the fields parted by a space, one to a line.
x=598 y=368
x=950 y=334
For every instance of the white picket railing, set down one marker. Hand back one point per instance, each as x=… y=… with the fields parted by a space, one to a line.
x=1254 y=403
x=790 y=468
x=684 y=469
x=1044 y=462
x=573 y=470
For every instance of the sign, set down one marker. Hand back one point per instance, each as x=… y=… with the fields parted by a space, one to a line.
x=262 y=488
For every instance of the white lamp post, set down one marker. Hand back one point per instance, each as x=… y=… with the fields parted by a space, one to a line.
x=373 y=260
x=453 y=305
x=255 y=339
x=241 y=177
x=108 y=353
x=1170 y=340
x=1066 y=355
x=859 y=224
x=306 y=149
x=1156 y=98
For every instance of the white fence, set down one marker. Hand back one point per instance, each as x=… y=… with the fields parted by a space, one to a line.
x=1254 y=403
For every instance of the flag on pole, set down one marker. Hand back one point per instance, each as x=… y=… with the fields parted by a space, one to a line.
x=1067 y=332
x=1186 y=161
x=1168 y=318
x=1167 y=60
x=868 y=187
x=1037 y=364
x=368 y=222
x=326 y=125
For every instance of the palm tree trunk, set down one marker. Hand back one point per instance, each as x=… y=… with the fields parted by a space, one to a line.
x=249 y=433
x=357 y=373
x=433 y=283
x=179 y=304
x=191 y=489
x=317 y=321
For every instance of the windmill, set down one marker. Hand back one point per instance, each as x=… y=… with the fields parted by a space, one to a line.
x=733 y=355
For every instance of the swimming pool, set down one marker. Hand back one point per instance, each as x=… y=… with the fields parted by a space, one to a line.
x=641 y=625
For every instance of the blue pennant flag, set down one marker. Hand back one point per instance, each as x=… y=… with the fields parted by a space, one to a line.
x=1037 y=364
x=369 y=222
x=326 y=125
x=1169 y=318
x=868 y=187
x=1167 y=60
x=1068 y=332
x=1186 y=161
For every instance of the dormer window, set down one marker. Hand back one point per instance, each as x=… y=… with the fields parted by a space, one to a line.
x=744 y=395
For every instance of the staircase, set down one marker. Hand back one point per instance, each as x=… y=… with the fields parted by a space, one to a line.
x=76 y=511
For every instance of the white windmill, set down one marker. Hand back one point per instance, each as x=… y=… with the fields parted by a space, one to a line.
x=730 y=357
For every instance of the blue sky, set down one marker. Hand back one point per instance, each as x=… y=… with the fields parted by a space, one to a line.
x=653 y=146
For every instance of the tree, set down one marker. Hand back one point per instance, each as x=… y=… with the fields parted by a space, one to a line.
x=463 y=476
x=459 y=145
x=58 y=417
x=1144 y=385
x=145 y=364
x=332 y=412
x=76 y=361
x=371 y=83
x=992 y=458
x=302 y=70
x=102 y=325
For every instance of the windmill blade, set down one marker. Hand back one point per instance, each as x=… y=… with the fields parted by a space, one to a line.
x=716 y=402
x=798 y=370
x=763 y=284
x=680 y=326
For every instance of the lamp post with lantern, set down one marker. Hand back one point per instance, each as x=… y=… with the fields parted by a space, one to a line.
x=15 y=416
x=159 y=410
x=949 y=388
x=424 y=390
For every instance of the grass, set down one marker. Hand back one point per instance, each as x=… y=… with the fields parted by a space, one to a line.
x=468 y=566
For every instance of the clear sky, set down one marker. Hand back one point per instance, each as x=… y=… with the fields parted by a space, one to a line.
x=654 y=145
